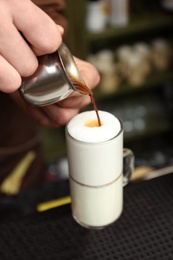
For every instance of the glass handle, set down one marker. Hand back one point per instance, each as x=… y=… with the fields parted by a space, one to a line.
x=128 y=165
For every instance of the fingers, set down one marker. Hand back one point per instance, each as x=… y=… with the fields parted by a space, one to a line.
x=77 y=101
x=16 y=52
x=37 y=27
x=55 y=9
x=88 y=72
x=41 y=117
x=9 y=77
x=51 y=117
x=25 y=31
x=57 y=4
x=58 y=114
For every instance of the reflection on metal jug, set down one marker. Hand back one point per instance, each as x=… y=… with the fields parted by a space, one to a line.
x=51 y=81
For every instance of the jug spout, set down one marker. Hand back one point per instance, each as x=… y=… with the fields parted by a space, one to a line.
x=53 y=79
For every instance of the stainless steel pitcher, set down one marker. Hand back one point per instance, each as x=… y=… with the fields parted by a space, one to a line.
x=51 y=82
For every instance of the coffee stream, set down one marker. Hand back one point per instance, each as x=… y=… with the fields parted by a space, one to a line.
x=82 y=88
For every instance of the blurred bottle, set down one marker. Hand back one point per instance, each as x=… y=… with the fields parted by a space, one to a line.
x=119 y=12
x=167 y=5
x=97 y=15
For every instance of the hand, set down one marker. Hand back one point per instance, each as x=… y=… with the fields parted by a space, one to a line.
x=25 y=32
x=55 y=9
x=60 y=113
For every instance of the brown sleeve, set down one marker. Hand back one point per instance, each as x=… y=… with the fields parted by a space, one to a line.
x=21 y=155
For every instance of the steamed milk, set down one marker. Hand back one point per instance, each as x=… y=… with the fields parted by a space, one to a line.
x=96 y=206
x=95 y=168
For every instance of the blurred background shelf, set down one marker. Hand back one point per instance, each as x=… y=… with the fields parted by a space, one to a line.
x=152 y=82
x=145 y=23
x=145 y=19
x=145 y=109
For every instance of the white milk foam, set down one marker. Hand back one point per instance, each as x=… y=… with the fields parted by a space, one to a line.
x=109 y=129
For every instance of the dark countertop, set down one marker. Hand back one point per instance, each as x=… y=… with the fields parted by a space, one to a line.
x=144 y=231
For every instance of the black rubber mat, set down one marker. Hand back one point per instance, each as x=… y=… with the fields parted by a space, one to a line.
x=144 y=231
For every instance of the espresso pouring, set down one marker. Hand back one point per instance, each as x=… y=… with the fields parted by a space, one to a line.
x=82 y=88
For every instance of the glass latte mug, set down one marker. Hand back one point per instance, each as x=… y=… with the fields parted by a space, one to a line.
x=99 y=167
